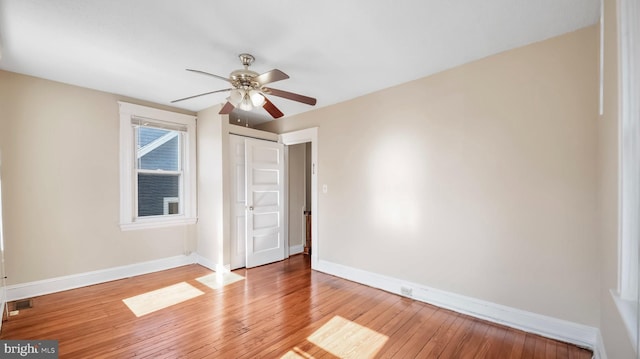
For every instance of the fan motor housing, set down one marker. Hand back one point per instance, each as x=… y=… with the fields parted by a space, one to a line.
x=244 y=78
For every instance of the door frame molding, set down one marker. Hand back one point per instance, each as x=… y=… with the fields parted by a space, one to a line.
x=304 y=136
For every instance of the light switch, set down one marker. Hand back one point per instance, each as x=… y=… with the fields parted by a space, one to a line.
x=325 y=188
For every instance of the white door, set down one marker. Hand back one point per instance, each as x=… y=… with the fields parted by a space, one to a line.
x=264 y=173
x=238 y=202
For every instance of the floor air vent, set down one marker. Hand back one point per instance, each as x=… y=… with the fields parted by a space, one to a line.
x=20 y=304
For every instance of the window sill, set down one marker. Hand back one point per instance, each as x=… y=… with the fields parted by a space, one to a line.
x=157 y=223
x=629 y=313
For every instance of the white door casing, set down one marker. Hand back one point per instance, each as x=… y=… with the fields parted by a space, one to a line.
x=264 y=173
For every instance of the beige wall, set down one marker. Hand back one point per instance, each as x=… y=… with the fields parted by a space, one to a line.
x=210 y=186
x=615 y=336
x=480 y=180
x=60 y=177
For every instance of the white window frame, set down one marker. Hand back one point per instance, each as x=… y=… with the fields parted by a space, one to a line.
x=627 y=294
x=128 y=214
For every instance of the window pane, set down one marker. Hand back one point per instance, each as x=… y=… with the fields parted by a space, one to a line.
x=157 y=149
x=173 y=208
x=152 y=191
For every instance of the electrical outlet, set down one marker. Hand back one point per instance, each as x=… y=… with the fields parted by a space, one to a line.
x=406 y=291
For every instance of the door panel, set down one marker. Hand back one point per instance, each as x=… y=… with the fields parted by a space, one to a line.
x=265 y=220
x=265 y=202
x=266 y=198
x=264 y=177
x=267 y=242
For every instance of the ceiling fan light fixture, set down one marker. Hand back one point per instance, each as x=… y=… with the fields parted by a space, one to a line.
x=248 y=91
x=246 y=104
x=236 y=96
x=257 y=99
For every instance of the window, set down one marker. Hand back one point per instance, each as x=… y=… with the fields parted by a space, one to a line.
x=627 y=297
x=157 y=168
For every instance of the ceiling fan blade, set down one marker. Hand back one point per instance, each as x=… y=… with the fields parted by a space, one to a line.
x=272 y=109
x=291 y=96
x=271 y=76
x=226 y=109
x=208 y=74
x=202 y=94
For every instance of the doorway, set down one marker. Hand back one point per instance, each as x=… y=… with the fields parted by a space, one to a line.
x=240 y=210
x=299 y=202
x=309 y=135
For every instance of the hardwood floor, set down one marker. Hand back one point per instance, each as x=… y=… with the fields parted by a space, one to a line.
x=279 y=310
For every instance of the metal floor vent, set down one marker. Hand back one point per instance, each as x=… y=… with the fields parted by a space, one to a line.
x=21 y=304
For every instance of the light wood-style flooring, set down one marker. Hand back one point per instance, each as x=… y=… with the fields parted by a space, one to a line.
x=282 y=310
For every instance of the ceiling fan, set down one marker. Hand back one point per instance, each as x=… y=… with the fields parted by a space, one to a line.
x=249 y=89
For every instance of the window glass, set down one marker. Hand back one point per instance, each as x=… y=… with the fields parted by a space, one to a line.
x=157 y=149
x=158 y=154
x=152 y=191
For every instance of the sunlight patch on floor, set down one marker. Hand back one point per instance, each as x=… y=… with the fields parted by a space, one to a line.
x=219 y=280
x=296 y=353
x=344 y=339
x=161 y=298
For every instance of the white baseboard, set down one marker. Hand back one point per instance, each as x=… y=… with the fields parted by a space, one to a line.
x=222 y=268
x=296 y=249
x=52 y=285
x=566 y=331
x=208 y=263
x=3 y=302
x=3 y=299
x=599 y=351
x=205 y=262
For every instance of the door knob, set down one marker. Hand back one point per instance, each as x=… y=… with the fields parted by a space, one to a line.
x=251 y=208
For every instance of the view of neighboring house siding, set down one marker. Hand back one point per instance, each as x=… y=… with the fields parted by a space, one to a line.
x=157 y=150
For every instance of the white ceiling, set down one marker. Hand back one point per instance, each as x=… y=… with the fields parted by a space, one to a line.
x=333 y=50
